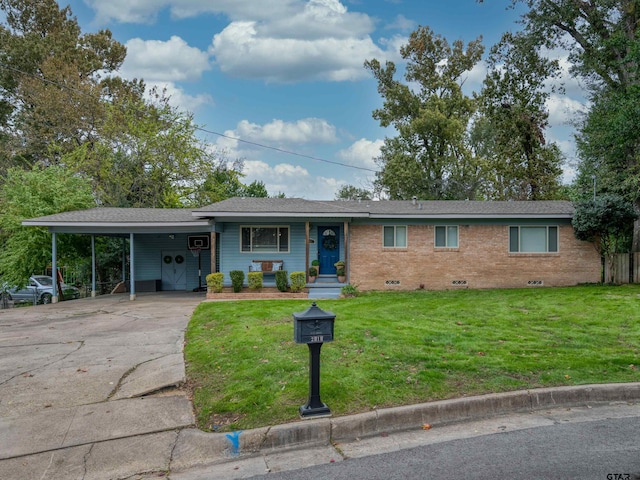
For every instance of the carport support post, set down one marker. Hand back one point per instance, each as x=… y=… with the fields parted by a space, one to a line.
x=93 y=266
x=132 y=279
x=54 y=267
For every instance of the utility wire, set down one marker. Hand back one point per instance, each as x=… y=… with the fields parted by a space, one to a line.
x=196 y=127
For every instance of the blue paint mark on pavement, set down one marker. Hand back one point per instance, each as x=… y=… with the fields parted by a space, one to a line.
x=234 y=438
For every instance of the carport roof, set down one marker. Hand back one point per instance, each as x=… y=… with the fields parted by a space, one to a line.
x=122 y=220
x=119 y=216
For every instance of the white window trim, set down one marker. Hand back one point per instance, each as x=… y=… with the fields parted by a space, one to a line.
x=446 y=236
x=395 y=237
x=268 y=252
x=546 y=252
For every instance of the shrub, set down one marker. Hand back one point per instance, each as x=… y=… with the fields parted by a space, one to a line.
x=215 y=282
x=255 y=280
x=237 y=279
x=281 y=280
x=298 y=281
x=350 y=291
x=313 y=272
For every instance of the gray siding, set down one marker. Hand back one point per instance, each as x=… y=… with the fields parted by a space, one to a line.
x=232 y=258
x=148 y=257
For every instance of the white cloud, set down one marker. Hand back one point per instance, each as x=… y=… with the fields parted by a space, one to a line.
x=242 y=50
x=146 y=11
x=362 y=153
x=564 y=110
x=307 y=130
x=170 y=61
x=295 y=181
x=181 y=100
x=282 y=41
x=162 y=64
x=401 y=23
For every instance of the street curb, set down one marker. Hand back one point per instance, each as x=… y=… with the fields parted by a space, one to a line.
x=200 y=448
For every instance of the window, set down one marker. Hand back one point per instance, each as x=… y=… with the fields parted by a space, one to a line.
x=533 y=239
x=264 y=239
x=394 y=236
x=447 y=237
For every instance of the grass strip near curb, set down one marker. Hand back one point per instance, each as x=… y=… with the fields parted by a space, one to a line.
x=398 y=348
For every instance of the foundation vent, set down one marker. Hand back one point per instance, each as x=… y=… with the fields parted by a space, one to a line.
x=534 y=283
x=459 y=282
x=392 y=283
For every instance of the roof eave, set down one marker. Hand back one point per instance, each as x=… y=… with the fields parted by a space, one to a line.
x=223 y=215
x=36 y=223
x=483 y=216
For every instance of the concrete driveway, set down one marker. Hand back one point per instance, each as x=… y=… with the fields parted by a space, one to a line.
x=88 y=386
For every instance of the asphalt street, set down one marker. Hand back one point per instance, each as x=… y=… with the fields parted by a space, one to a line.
x=606 y=449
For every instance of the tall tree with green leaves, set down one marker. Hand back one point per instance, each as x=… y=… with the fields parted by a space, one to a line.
x=509 y=131
x=429 y=157
x=52 y=80
x=147 y=154
x=602 y=38
x=34 y=193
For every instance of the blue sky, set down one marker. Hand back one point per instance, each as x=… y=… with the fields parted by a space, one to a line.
x=289 y=74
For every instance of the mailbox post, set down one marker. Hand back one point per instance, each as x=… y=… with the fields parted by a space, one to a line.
x=314 y=326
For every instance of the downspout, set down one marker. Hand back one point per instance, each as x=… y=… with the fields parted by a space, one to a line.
x=132 y=277
x=54 y=267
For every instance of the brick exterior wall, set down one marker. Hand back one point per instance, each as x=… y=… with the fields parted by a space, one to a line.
x=482 y=260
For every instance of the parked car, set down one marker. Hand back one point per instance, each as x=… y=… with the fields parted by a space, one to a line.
x=39 y=289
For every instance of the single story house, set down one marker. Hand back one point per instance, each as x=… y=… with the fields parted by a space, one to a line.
x=385 y=244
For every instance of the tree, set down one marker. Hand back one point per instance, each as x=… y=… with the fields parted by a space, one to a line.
x=429 y=157
x=602 y=38
x=146 y=155
x=35 y=193
x=350 y=192
x=223 y=180
x=607 y=221
x=509 y=130
x=51 y=82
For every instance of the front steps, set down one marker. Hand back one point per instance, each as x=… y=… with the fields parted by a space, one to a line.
x=325 y=287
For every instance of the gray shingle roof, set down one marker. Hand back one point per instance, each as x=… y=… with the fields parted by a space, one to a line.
x=119 y=216
x=380 y=209
x=301 y=208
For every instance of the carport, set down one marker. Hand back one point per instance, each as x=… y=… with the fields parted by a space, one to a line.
x=149 y=232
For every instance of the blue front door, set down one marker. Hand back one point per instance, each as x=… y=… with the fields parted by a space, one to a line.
x=328 y=249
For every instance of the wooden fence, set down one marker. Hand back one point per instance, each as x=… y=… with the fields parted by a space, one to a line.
x=622 y=268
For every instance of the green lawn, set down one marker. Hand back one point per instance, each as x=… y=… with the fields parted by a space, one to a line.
x=399 y=348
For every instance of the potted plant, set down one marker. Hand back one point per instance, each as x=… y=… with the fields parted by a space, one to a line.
x=313 y=274
x=341 y=271
x=316 y=263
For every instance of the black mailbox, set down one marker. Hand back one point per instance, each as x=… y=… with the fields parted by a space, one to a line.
x=314 y=325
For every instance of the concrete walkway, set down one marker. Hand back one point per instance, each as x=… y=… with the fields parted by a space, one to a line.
x=87 y=391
